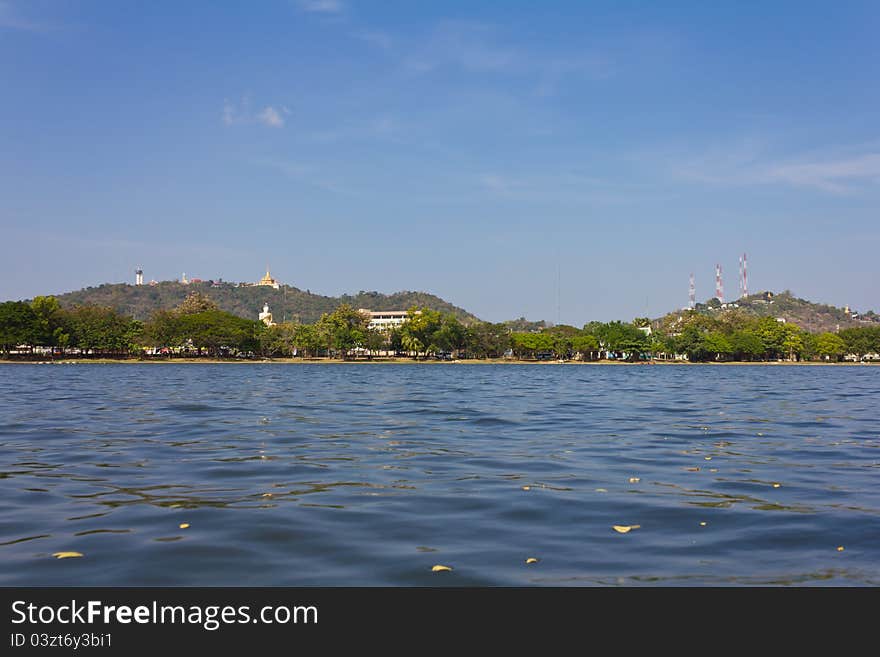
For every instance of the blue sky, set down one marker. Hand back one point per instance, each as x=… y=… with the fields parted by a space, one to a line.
x=483 y=151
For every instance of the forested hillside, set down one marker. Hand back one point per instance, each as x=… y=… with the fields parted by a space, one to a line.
x=810 y=316
x=287 y=303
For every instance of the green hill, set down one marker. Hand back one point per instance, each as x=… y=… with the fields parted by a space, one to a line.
x=813 y=317
x=287 y=303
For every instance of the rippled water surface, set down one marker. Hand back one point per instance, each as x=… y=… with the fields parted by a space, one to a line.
x=371 y=474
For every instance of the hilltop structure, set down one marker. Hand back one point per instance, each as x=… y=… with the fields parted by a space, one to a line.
x=267 y=280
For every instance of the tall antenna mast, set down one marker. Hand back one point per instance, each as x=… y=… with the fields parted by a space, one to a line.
x=740 y=281
x=745 y=277
x=719 y=287
x=692 y=294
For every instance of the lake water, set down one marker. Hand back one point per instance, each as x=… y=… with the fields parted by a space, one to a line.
x=372 y=474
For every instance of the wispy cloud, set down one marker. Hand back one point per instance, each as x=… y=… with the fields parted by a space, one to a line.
x=477 y=48
x=305 y=174
x=469 y=46
x=11 y=18
x=566 y=187
x=375 y=38
x=836 y=171
x=832 y=175
x=243 y=113
x=270 y=117
x=322 y=6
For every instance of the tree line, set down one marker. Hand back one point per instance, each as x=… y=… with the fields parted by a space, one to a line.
x=197 y=327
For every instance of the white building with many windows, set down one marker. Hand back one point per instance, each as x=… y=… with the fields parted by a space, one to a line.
x=381 y=320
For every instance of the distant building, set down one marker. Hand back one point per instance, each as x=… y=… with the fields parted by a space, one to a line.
x=268 y=281
x=266 y=316
x=138 y=276
x=385 y=319
x=183 y=279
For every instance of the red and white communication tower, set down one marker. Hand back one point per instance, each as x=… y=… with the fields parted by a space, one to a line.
x=743 y=277
x=719 y=287
x=692 y=294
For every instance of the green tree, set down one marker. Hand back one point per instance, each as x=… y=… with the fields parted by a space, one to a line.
x=829 y=346
x=196 y=302
x=375 y=341
x=772 y=335
x=715 y=342
x=220 y=333
x=450 y=335
x=342 y=330
x=50 y=319
x=98 y=330
x=792 y=341
x=19 y=325
x=585 y=345
x=487 y=340
x=861 y=340
x=277 y=340
x=419 y=329
x=164 y=330
x=746 y=345
x=306 y=340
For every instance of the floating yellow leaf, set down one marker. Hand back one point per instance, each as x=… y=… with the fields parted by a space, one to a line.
x=601 y=490
x=267 y=494
x=441 y=569
x=634 y=480
x=775 y=485
x=840 y=548
x=702 y=524
x=66 y=555
x=531 y=560
x=624 y=529
x=527 y=488
x=184 y=525
x=692 y=469
x=713 y=469
x=708 y=458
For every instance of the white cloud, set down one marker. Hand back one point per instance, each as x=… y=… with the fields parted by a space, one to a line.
x=322 y=6
x=836 y=172
x=270 y=117
x=241 y=113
